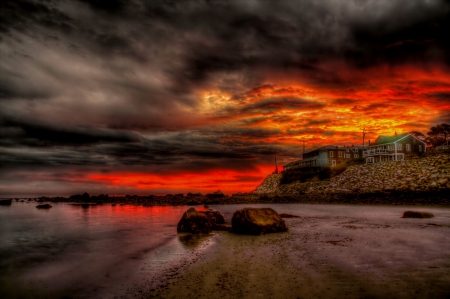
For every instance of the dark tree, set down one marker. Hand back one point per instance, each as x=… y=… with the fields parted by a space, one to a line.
x=418 y=135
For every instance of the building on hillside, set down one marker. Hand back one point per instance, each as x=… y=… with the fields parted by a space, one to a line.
x=444 y=146
x=394 y=148
x=326 y=156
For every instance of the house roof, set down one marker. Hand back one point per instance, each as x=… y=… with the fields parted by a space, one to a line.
x=391 y=139
x=388 y=139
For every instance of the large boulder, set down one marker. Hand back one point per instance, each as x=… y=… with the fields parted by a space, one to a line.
x=214 y=216
x=417 y=214
x=195 y=222
x=255 y=221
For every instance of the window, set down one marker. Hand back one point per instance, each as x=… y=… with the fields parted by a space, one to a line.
x=340 y=154
x=347 y=155
x=347 y=150
x=399 y=146
x=331 y=154
x=356 y=156
x=408 y=147
x=420 y=147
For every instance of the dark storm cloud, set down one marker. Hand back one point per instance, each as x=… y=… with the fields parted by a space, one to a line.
x=238 y=36
x=37 y=134
x=117 y=82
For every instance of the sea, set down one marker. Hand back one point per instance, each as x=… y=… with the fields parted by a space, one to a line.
x=117 y=251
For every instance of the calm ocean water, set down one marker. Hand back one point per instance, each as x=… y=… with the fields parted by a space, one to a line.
x=89 y=252
x=109 y=251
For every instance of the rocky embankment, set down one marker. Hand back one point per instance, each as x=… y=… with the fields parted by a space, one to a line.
x=431 y=173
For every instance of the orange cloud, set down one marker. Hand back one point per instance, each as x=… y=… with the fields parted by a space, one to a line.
x=384 y=100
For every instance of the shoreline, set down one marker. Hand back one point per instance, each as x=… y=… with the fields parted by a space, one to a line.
x=323 y=257
x=428 y=198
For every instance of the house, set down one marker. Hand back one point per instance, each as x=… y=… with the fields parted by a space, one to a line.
x=394 y=148
x=329 y=155
x=444 y=146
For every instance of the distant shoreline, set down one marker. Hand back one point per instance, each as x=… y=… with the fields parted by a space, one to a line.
x=431 y=198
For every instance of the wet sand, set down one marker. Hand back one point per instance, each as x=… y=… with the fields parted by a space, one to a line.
x=324 y=257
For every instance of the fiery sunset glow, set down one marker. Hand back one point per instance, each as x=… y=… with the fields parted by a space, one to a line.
x=135 y=97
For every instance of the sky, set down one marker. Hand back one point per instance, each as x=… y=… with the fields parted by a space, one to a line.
x=155 y=97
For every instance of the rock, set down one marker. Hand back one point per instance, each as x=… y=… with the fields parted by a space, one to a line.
x=5 y=202
x=44 y=206
x=194 y=222
x=417 y=214
x=256 y=221
x=214 y=216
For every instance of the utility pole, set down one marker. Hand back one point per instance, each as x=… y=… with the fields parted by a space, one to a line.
x=276 y=166
x=364 y=134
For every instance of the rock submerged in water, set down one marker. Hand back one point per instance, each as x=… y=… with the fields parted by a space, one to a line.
x=417 y=214
x=44 y=206
x=254 y=221
x=5 y=202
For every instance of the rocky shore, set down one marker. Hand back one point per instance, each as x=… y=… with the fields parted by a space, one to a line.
x=424 y=180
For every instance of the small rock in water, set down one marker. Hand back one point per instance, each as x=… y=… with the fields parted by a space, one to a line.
x=417 y=214
x=5 y=202
x=44 y=206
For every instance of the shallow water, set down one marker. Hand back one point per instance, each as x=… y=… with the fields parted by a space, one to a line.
x=81 y=252
x=106 y=251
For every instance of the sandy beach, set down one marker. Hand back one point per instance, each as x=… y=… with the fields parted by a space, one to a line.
x=376 y=255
